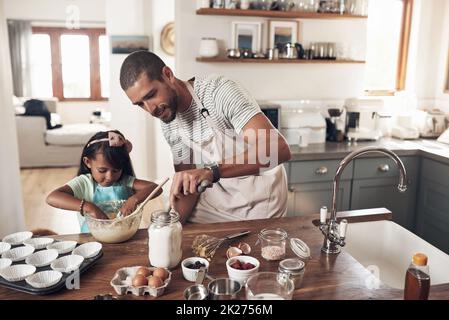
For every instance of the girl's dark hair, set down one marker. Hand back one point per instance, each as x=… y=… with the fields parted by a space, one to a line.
x=117 y=157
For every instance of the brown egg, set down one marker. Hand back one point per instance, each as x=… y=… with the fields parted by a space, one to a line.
x=155 y=282
x=139 y=280
x=161 y=273
x=144 y=271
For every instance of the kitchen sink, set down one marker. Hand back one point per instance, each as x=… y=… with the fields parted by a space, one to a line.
x=385 y=248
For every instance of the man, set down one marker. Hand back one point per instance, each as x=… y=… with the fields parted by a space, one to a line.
x=203 y=119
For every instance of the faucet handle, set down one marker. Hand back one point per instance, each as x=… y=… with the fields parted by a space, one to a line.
x=323 y=215
x=342 y=228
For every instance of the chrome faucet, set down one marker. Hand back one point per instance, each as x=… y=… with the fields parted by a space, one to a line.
x=334 y=233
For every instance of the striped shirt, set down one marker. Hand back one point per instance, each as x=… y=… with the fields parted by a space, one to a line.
x=230 y=106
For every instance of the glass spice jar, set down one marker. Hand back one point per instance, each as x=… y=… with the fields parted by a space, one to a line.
x=273 y=243
x=293 y=269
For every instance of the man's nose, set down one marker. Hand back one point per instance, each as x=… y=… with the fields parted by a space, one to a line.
x=151 y=108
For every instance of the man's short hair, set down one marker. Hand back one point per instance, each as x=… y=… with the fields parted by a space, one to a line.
x=137 y=63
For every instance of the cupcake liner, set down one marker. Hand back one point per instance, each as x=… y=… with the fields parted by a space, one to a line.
x=88 y=250
x=67 y=263
x=42 y=258
x=44 y=279
x=17 y=238
x=19 y=253
x=63 y=246
x=39 y=243
x=17 y=272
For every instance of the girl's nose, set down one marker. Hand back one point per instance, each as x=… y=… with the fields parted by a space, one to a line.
x=108 y=176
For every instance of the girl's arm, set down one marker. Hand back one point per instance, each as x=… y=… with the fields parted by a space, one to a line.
x=142 y=190
x=63 y=198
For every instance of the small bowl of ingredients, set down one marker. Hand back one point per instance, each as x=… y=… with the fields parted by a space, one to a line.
x=191 y=266
x=240 y=268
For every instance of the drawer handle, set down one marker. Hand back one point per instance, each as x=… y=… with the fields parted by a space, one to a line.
x=383 y=168
x=321 y=170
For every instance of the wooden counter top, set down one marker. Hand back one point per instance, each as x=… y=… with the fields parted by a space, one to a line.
x=327 y=277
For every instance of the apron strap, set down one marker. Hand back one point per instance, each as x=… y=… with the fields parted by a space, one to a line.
x=204 y=112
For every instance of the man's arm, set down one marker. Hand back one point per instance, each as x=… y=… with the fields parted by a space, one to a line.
x=183 y=203
x=265 y=138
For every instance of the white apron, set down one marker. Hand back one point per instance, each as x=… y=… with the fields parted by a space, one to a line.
x=234 y=199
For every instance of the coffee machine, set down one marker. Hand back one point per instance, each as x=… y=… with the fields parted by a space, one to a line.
x=362 y=116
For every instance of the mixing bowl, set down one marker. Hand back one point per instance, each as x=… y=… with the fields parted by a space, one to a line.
x=114 y=230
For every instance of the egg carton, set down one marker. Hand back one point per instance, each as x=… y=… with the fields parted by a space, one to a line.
x=122 y=283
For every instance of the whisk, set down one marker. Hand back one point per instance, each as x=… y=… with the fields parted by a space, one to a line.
x=205 y=246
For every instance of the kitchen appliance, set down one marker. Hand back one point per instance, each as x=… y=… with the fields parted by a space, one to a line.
x=433 y=124
x=273 y=112
x=405 y=128
x=444 y=138
x=299 y=125
x=362 y=119
x=335 y=125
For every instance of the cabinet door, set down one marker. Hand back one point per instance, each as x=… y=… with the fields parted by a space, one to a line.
x=308 y=198
x=376 y=193
x=432 y=220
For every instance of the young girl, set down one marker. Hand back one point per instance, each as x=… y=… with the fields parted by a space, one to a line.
x=105 y=174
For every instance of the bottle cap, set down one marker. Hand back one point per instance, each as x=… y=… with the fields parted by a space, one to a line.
x=420 y=259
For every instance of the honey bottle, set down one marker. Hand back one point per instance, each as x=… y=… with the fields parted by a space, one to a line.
x=417 y=279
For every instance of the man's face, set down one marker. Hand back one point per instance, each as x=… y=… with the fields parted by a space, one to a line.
x=155 y=97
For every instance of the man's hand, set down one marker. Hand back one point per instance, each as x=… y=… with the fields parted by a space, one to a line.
x=186 y=182
x=95 y=212
x=129 y=206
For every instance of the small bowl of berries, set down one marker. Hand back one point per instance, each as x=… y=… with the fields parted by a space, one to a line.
x=240 y=268
x=191 y=266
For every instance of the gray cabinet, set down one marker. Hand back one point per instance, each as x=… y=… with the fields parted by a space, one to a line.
x=365 y=183
x=310 y=186
x=432 y=219
x=375 y=183
x=308 y=198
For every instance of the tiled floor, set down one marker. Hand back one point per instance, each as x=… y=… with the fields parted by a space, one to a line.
x=37 y=183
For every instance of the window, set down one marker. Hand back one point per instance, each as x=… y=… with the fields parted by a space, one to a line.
x=389 y=26
x=70 y=64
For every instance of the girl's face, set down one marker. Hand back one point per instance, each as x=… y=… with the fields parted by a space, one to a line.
x=102 y=172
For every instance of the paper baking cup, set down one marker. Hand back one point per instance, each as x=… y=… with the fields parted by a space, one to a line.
x=17 y=272
x=88 y=250
x=39 y=243
x=44 y=279
x=67 y=264
x=19 y=253
x=17 y=238
x=4 y=263
x=63 y=246
x=42 y=258
x=4 y=247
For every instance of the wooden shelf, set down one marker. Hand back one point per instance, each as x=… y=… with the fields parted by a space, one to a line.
x=248 y=60
x=276 y=14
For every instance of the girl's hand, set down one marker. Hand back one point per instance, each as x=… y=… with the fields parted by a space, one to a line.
x=95 y=212
x=129 y=206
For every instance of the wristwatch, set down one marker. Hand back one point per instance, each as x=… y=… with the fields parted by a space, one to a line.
x=213 y=167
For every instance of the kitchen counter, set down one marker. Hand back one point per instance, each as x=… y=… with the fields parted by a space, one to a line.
x=428 y=148
x=327 y=277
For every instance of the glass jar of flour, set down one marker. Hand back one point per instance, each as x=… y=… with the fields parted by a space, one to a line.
x=165 y=239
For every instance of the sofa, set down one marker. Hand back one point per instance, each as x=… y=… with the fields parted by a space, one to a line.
x=62 y=147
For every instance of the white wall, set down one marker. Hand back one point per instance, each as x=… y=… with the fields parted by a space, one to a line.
x=11 y=208
x=135 y=124
x=429 y=53
x=79 y=112
x=442 y=99
x=273 y=81
x=90 y=10
x=163 y=12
